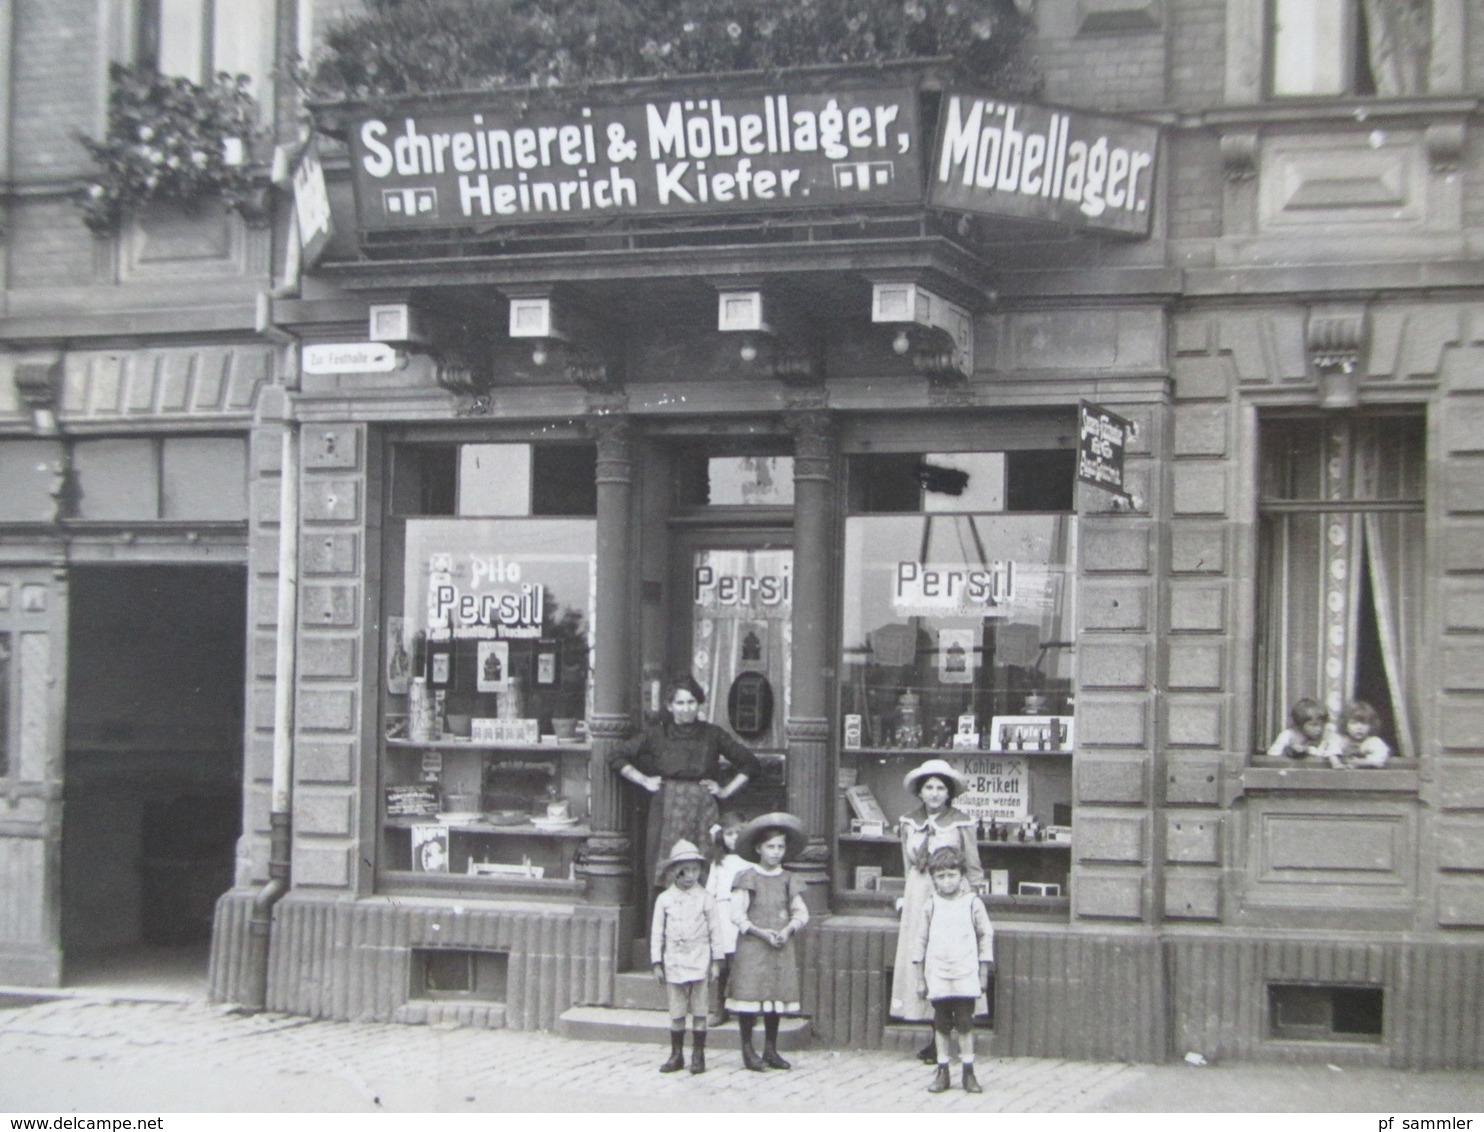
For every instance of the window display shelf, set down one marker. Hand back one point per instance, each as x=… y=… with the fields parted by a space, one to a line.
x=447 y=744
x=483 y=829
x=1019 y=846
x=942 y=752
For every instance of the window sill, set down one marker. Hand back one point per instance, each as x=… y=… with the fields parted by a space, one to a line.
x=1266 y=774
x=1352 y=108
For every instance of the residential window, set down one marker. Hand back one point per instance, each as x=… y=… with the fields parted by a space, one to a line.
x=198 y=39
x=1337 y=47
x=1340 y=568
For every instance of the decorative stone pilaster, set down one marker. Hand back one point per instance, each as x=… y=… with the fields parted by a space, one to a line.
x=810 y=780
x=607 y=865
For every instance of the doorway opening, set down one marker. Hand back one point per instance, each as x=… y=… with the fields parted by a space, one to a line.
x=152 y=803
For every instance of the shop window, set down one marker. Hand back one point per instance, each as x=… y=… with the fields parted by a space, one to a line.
x=142 y=479
x=197 y=39
x=1340 y=47
x=489 y=594
x=1029 y=480
x=1340 y=569
x=957 y=634
x=445 y=973
x=1325 y=1013
x=4 y=704
x=706 y=478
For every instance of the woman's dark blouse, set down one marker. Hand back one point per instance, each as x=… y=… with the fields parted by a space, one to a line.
x=687 y=753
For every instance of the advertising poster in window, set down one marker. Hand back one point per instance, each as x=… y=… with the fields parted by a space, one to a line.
x=999 y=787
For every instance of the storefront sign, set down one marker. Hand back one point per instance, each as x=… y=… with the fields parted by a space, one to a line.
x=311 y=206
x=927 y=589
x=510 y=163
x=1038 y=163
x=998 y=787
x=759 y=582
x=1102 y=438
x=348 y=357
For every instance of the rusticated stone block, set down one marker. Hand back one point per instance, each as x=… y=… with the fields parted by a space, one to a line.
x=1113 y=664
x=1114 y=607
x=1195 y=724
x=1461 y=724
x=1199 y=488
x=1192 y=839
x=1201 y=430
x=1204 y=378
x=1115 y=839
x=1193 y=781
x=1463 y=491
x=1196 y=666
x=1461 y=904
x=264 y=655
x=318 y=866
x=325 y=761
x=1460 y=846
x=330 y=552
x=328 y=657
x=1463 y=548
x=333 y=607
x=323 y=710
x=1115 y=547
x=1112 y=723
x=1463 y=426
x=1460 y=787
x=1192 y=897
x=1109 y=781
x=331 y=500
x=1463 y=666
x=1097 y=896
x=321 y=815
x=1197 y=609
x=330 y=446
x=1197 y=548
x=1463 y=604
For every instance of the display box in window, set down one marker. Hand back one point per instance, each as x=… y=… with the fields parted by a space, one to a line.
x=1031 y=733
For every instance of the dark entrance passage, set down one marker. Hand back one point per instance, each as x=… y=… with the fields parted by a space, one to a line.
x=152 y=795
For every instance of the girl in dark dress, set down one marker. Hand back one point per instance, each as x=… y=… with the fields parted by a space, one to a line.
x=681 y=762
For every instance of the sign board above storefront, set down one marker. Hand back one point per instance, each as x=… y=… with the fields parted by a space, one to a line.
x=1019 y=160
x=1102 y=438
x=348 y=357
x=514 y=162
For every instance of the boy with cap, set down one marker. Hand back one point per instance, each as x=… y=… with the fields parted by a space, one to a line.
x=686 y=948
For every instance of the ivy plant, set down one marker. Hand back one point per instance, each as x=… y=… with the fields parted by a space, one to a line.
x=170 y=139
x=411 y=46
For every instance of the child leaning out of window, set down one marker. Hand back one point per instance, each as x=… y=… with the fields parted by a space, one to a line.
x=1356 y=745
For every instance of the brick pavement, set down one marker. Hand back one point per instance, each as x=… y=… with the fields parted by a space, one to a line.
x=83 y=1054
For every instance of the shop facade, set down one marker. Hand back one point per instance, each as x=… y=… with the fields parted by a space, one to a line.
x=803 y=394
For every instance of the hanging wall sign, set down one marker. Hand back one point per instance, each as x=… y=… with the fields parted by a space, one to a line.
x=1102 y=437
x=702 y=151
x=1018 y=159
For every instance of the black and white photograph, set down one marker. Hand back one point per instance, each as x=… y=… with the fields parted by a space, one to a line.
x=742 y=557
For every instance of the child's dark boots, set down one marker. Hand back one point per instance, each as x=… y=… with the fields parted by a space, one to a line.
x=677 y=1053
x=750 y=1059
x=940 y=1080
x=929 y=1052
x=698 y=1052
x=771 y=1056
x=971 y=1083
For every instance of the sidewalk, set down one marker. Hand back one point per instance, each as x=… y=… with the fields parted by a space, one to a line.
x=95 y=1054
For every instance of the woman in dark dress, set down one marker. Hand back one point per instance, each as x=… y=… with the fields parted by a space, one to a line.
x=681 y=763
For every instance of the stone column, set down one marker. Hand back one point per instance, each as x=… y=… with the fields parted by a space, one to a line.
x=810 y=780
x=607 y=858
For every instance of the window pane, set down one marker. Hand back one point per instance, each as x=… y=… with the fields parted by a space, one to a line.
x=982 y=488
x=181 y=36
x=1310 y=39
x=241 y=32
x=494 y=479
x=27 y=473
x=117 y=479
x=758 y=481
x=564 y=480
x=205 y=478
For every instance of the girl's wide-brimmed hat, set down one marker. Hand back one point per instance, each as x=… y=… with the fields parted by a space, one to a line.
x=936 y=768
x=683 y=853
x=759 y=828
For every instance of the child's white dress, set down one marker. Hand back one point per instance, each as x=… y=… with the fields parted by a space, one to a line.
x=719 y=884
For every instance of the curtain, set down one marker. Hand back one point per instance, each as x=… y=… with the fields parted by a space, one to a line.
x=1399 y=39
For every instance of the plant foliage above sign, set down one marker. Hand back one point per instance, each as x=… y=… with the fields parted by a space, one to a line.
x=170 y=139
x=413 y=46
